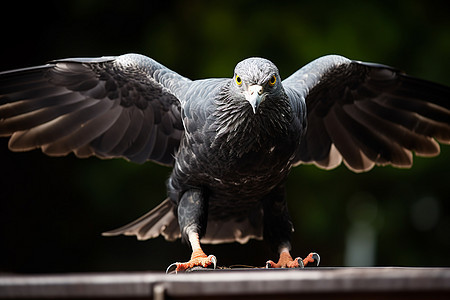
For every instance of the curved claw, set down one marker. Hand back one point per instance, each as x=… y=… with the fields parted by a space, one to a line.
x=312 y=259
x=171 y=268
x=269 y=264
x=300 y=263
x=316 y=258
x=213 y=260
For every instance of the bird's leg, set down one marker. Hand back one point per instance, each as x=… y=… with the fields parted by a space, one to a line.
x=278 y=229
x=192 y=216
x=198 y=257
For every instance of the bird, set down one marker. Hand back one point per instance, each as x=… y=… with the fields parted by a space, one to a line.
x=230 y=141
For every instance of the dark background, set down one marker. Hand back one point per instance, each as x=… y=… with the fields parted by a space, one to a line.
x=52 y=210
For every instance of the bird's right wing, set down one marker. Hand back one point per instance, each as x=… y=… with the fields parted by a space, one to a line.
x=123 y=106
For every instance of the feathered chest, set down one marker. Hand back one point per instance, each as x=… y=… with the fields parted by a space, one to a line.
x=252 y=151
x=236 y=149
x=239 y=131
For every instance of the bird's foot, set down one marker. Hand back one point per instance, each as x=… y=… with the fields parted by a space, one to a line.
x=286 y=261
x=198 y=259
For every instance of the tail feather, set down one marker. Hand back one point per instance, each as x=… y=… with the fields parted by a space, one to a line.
x=162 y=221
x=159 y=221
x=229 y=231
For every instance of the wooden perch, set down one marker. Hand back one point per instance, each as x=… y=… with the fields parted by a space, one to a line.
x=315 y=283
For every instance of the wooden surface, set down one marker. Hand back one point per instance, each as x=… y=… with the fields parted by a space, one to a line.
x=313 y=283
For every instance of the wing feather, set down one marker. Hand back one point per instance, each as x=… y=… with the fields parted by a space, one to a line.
x=371 y=114
x=59 y=127
x=136 y=119
x=126 y=106
x=106 y=142
x=367 y=114
x=345 y=143
x=83 y=135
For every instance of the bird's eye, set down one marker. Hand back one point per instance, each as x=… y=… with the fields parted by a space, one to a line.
x=238 y=80
x=273 y=80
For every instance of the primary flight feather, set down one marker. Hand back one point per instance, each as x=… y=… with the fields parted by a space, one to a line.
x=231 y=141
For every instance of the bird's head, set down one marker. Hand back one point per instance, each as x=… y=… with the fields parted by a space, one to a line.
x=256 y=79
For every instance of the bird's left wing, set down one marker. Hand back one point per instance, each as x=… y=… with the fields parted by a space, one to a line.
x=368 y=114
x=124 y=106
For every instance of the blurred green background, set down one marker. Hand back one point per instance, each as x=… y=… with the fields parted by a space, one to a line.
x=52 y=210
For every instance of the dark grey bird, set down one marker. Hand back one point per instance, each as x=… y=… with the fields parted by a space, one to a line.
x=231 y=141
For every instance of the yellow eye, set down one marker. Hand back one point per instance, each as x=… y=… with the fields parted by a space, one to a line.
x=238 y=80
x=273 y=80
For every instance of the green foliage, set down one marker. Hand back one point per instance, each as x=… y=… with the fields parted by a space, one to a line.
x=53 y=209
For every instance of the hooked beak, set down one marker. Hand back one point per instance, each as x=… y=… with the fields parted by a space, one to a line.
x=254 y=95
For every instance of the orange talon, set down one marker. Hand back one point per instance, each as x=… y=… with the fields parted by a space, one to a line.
x=286 y=261
x=309 y=259
x=197 y=262
x=198 y=259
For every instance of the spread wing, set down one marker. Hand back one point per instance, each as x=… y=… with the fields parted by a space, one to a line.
x=368 y=114
x=123 y=106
